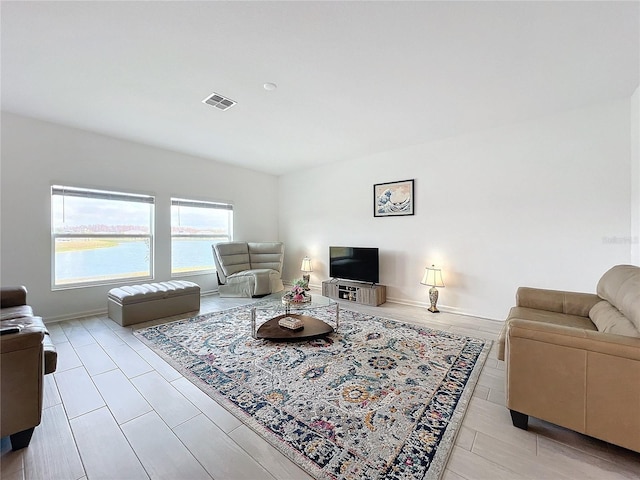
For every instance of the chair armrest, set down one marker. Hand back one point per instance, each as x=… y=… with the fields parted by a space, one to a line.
x=570 y=303
x=13 y=296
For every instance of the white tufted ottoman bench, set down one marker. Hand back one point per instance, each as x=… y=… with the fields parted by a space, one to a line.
x=140 y=303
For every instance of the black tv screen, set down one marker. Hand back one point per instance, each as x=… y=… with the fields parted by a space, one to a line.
x=354 y=263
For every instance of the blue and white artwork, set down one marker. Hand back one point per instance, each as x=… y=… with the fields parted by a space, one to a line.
x=393 y=198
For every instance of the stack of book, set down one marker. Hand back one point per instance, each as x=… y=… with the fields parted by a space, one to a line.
x=291 y=323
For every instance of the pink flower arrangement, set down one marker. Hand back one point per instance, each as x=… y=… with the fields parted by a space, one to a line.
x=297 y=293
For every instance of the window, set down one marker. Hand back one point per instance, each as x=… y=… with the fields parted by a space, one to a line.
x=195 y=226
x=100 y=236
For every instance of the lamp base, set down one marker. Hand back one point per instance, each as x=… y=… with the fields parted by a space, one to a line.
x=433 y=298
x=305 y=279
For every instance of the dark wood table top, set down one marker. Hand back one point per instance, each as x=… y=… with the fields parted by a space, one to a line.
x=313 y=328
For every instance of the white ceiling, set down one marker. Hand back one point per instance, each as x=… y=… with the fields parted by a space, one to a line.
x=354 y=78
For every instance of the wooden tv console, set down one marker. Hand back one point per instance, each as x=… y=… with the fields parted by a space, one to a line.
x=358 y=292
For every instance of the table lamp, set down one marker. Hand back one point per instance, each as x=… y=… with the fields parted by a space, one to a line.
x=306 y=268
x=433 y=278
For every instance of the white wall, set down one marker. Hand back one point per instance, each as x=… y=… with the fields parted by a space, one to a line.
x=635 y=178
x=545 y=203
x=542 y=203
x=37 y=154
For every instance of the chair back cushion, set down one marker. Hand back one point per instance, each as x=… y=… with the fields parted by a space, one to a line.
x=230 y=258
x=266 y=255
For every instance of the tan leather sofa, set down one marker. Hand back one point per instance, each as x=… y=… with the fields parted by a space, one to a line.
x=573 y=359
x=26 y=354
x=248 y=269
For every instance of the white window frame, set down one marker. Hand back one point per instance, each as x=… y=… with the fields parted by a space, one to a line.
x=105 y=195
x=215 y=238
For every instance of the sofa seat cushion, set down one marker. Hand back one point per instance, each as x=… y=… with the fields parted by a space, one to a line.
x=50 y=354
x=16 y=312
x=544 y=316
x=551 y=317
x=608 y=319
x=253 y=272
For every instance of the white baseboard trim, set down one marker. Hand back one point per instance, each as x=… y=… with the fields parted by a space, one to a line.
x=442 y=308
x=72 y=316
x=98 y=313
x=314 y=288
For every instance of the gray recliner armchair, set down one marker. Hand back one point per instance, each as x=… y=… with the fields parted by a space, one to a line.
x=248 y=269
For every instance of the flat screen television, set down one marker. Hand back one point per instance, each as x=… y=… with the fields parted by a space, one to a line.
x=354 y=263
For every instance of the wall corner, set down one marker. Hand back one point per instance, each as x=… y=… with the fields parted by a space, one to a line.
x=635 y=177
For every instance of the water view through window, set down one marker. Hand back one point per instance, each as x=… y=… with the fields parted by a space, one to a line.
x=195 y=226
x=89 y=260
x=100 y=236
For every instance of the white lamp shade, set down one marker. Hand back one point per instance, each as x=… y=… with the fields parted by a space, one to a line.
x=432 y=277
x=306 y=265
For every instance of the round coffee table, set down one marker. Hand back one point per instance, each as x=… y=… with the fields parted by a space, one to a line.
x=312 y=327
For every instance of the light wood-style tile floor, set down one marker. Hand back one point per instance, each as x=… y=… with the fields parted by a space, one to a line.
x=115 y=410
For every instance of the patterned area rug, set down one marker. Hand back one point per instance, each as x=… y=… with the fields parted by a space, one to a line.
x=379 y=399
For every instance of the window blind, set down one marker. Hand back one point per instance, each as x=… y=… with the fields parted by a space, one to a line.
x=100 y=194
x=177 y=202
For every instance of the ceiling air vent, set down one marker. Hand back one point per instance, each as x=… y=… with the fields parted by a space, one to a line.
x=218 y=101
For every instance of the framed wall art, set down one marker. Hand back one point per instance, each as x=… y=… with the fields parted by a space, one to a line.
x=393 y=199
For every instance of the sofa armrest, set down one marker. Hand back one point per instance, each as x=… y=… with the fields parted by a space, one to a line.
x=27 y=337
x=21 y=382
x=574 y=338
x=13 y=296
x=571 y=303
